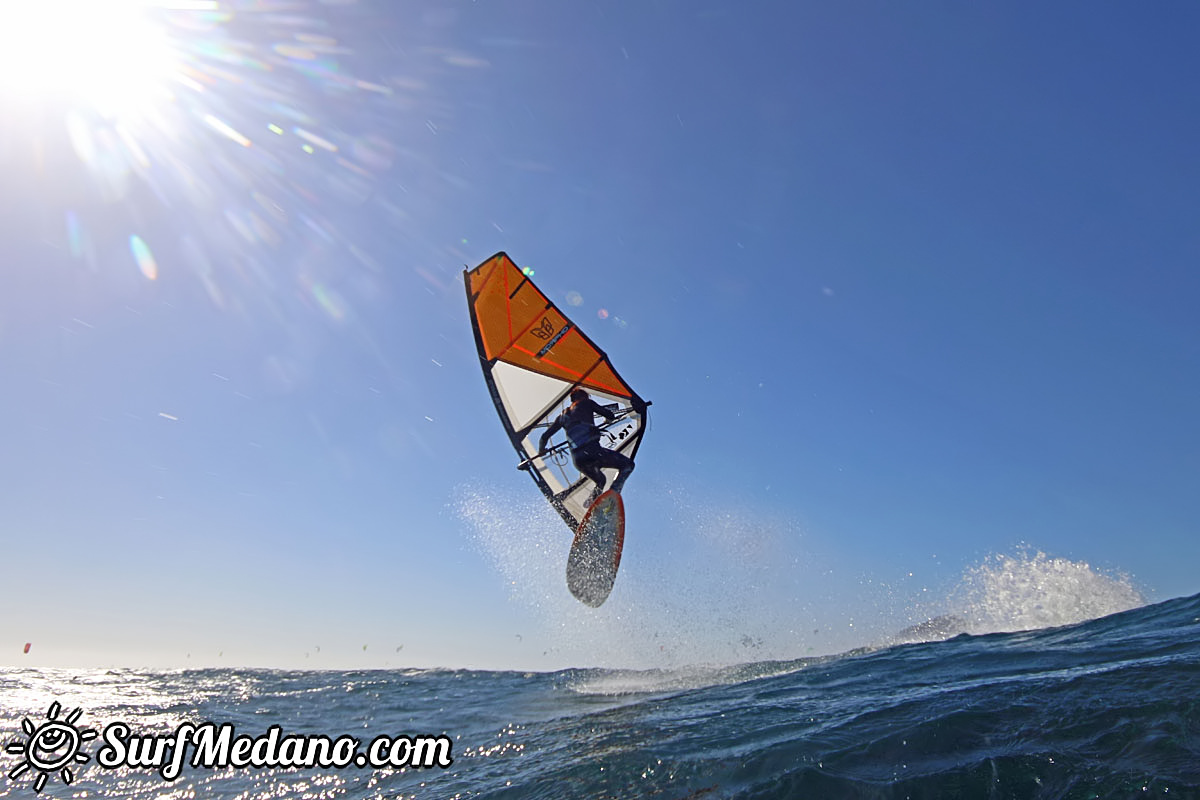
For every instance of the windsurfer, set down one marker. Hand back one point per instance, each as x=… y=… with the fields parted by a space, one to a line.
x=579 y=423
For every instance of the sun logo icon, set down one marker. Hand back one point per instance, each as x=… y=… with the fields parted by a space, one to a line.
x=50 y=747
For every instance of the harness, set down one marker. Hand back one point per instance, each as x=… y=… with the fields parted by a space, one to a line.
x=580 y=427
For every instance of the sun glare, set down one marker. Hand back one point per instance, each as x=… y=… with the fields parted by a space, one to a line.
x=105 y=54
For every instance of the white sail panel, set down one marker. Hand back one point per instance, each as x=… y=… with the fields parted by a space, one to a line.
x=527 y=395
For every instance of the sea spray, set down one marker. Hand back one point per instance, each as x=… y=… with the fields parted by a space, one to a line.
x=1022 y=592
x=718 y=584
x=1018 y=592
x=711 y=584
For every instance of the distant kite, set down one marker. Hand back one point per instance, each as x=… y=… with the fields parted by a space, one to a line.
x=27 y=646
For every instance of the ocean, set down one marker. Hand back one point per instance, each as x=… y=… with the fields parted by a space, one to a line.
x=1106 y=708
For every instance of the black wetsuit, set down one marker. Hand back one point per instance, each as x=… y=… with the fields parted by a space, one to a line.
x=579 y=423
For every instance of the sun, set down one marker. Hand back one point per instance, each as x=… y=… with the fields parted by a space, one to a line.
x=50 y=747
x=109 y=55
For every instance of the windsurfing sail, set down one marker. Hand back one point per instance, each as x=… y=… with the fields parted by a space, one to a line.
x=533 y=356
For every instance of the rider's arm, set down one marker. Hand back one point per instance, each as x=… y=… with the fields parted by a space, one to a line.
x=602 y=411
x=554 y=426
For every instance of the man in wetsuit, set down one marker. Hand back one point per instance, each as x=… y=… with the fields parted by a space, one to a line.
x=579 y=422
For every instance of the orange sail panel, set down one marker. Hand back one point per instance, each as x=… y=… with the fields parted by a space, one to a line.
x=533 y=356
x=519 y=325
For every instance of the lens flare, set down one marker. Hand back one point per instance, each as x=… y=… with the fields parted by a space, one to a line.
x=108 y=55
x=143 y=257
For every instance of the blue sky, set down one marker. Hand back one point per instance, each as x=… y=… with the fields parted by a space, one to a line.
x=910 y=287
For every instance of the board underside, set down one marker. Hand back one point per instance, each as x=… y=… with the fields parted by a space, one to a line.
x=596 y=551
